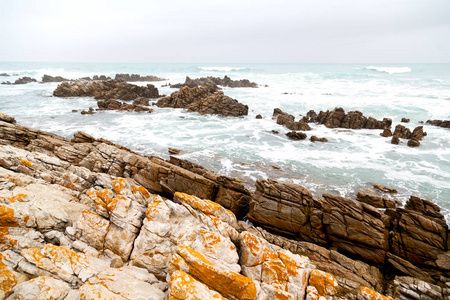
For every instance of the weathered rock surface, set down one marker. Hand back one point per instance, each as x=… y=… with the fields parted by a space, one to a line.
x=288 y=120
x=137 y=77
x=375 y=198
x=105 y=90
x=295 y=135
x=440 y=123
x=337 y=118
x=215 y=81
x=204 y=100
x=23 y=80
x=121 y=106
x=316 y=139
x=48 y=78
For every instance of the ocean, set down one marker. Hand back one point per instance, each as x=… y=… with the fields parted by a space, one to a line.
x=246 y=147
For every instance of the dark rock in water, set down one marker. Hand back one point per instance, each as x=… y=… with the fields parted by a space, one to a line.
x=275 y=132
x=121 y=106
x=215 y=81
x=418 y=133
x=48 y=78
x=288 y=120
x=402 y=132
x=440 y=123
x=25 y=80
x=137 y=77
x=384 y=189
x=316 y=139
x=413 y=143
x=4 y=74
x=258 y=116
x=276 y=112
x=174 y=151
x=88 y=112
x=107 y=90
x=352 y=120
x=386 y=132
x=405 y=120
x=7 y=118
x=6 y=82
x=85 y=78
x=74 y=110
x=294 y=135
x=395 y=140
x=204 y=100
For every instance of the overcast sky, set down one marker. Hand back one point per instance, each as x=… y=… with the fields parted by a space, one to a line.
x=195 y=31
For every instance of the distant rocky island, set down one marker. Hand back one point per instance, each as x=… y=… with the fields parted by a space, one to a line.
x=85 y=218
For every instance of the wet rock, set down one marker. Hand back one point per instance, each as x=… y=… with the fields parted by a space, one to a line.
x=316 y=139
x=258 y=116
x=136 y=77
x=384 y=189
x=174 y=151
x=395 y=140
x=141 y=101
x=294 y=135
x=215 y=81
x=275 y=131
x=405 y=120
x=386 y=132
x=371 y=197
x=402 y=132
x=204 y=100
x=413 y=143
x=418 y=133
x=24 y=80
x=101 y=77
x=4 y=74
x=48 y=78
x=105 y=90
x=121 y=106
x=88 y=112
x=7 y=118
x=440 y=123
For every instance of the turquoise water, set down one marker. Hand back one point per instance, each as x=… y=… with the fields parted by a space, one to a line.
x=245 y=147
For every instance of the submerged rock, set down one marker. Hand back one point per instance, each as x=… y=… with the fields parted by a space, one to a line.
x=204 y=100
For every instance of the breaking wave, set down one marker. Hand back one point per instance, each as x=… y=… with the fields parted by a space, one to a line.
x=390 y=70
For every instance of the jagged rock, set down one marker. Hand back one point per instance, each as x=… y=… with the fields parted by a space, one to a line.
x=316 y=139
x=405 y=267
x=101 y=77
x=141 y=101
x=294 y=135
x=137 y=77
x=410 y=288
x=395 y=140
x=82 y=137
x=413 y=143
x=289 y=121
x=7 y=118
x=352 y=120
x=215 y=81
x=258 y=116
x=418 y=133
x=402 y=132
x=88 y=112
x=121 y=106
x=174 y=151
x=373 y=198
x=405 y=120
x=386 y=132
x=440 y=123
x=204 y=100
x=384 y=189
x=42 y=287
x=24 y=80
x=369 y=294
x=48 y=78
x=105 y=90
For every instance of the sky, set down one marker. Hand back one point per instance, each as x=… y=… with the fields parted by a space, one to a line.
x=225 y=31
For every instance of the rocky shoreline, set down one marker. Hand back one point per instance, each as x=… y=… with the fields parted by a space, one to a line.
x=83 y=217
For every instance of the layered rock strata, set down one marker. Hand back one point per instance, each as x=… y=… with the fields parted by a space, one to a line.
x=105 y=90
x=204 y=100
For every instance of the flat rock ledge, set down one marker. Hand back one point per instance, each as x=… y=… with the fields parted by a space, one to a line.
x=105 y=90
x=204 y=100
x=84 y=218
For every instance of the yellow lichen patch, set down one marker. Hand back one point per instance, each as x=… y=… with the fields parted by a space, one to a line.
x=97 y=292
x=154 y=207
x=312 y=293
x=58 y=254
x=325 y=283
x=206 y=206
x=7 y=278
x=111 y=206
x=101 y=198
x=142 y=190
x=252 y=249
x=34 y=255
x=7 y=217
x=282 y=295
x=270 y=254
x=210 y=239
x=275 y=274
x=227 y=283
x=183 y=286
x=292 y=266
x=369 y=294
x=5 y=241
x=118 y=185
x=25 y=162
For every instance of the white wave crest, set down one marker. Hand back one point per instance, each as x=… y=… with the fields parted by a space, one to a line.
x=221 y=69
x=390 y=70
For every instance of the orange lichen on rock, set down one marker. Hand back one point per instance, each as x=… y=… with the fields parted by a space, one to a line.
x=154 y=207
x=183 y=286
x=227 y=283
x=325 y=283
x=252 y=249
x=142 y=190
x=7 y=278
x=5 y=241
x=15 y=198
x=312 y=293
x=101 y=198
x=118 y=185
x=25 y=162
x=97 y=292
x=7 y=217
x=369 y=294
x=206 y=206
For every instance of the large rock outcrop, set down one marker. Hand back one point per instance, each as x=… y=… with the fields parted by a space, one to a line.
x=105 y=90
x=137 y=77
x=47 y=78
x=204 y=100
x=440 y=123
x=215 y=81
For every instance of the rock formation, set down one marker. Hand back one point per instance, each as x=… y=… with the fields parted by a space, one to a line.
x=137 y=77
x=83 y=218
x=288 y=120
x=215 y=81
x=204 y=100
x=440 y=123
x=23 y=80
x=48 y=78
x=105 y=90
x=121 y=106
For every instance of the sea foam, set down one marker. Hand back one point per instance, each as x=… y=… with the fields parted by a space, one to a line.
x=390 y=70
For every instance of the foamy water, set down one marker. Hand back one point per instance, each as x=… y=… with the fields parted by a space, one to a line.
x=245 y=147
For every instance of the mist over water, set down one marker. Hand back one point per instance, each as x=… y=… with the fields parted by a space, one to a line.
x=245 y=147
